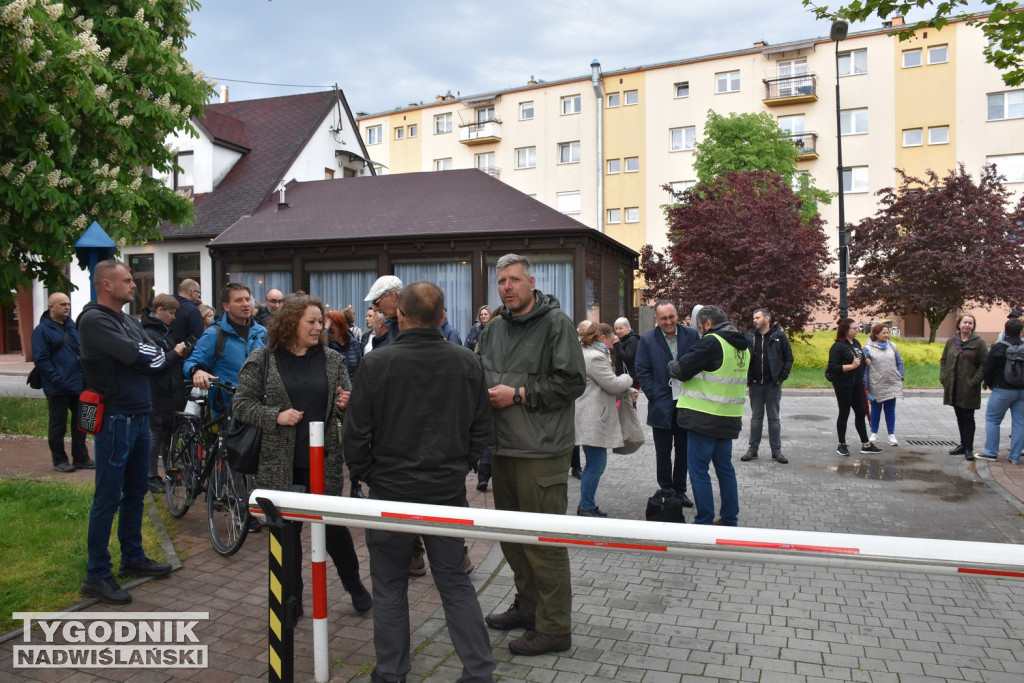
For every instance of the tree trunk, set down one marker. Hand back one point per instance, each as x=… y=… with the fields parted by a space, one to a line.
x=935 y=319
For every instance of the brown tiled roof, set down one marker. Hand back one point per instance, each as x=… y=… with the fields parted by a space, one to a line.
x=275 y=130
x=462 y=202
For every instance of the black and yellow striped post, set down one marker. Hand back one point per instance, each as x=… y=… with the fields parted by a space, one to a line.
x=283 y=604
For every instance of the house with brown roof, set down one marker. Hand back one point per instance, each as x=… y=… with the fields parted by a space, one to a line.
x=334 y=239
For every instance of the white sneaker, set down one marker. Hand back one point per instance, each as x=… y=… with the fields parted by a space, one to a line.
x=873 y=438
x=893 y=441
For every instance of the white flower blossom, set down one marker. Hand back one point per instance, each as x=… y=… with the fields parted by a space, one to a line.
x=18 y=180
x=29 y=167
x=125 y=121
x=53 y=178
x=6 y=169
x=101 y=91
x=140 y=15
x=80 y=221
x=12 y=14
x=41 y=141
x=54 y=11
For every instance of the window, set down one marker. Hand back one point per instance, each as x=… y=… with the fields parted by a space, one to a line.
x=682 y=89
x=413 y=130
x=141 y=266
x=938 y=135
x=526 y=157
x=568 y=202
x=728 y=81
x=183 y=178
x=913 y=137
x=938 y=54
x=632 y=97
x=614 y=166
x=328 y=174
x=792 y=125
x=571 y=105
x=855 y=179
x=1010 y=165
x=186 y=265
x=853 y=121
x=681 y=139
x=399 y=133
x=442 y=124
x=911 y=58
x=443 y=164
x=682 y=185
x=525 y=111
x=484 y=114
x=632 y=164
x=853 y=63
x=374 y=135
x=632 y=214
x=614 y=216
x=485 y=163
x=1006 y=105
x=613 y=100
x=569 y=152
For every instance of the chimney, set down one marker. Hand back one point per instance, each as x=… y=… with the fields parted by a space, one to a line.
x=897 y=20
x=223 y=94
x=532 y=80
x=761 y=43
x=439 y=98
x=281 y=204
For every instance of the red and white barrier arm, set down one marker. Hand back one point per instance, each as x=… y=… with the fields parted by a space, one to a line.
x=318 y=537
x=892 y=553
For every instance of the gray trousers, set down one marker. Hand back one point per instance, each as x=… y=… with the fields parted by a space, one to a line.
x=765 y=398
x=390 y=554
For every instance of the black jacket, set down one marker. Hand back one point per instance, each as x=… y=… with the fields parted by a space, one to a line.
x=55 y=351
x=996 y=361
x=777 y=353
x=706 y=354
x=168 y=385
x=625 y=354
x=188 y=321
x=842 y=353
x=418 y=419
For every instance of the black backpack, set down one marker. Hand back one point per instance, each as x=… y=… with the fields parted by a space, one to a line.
x=665 y=506
x=1013 y=370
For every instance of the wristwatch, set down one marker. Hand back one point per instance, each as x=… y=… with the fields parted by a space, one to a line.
x=516 y=398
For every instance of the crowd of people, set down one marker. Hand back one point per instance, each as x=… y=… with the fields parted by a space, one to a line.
x=528 y=401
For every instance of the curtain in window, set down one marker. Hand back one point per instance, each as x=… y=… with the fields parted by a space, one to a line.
x=551 y=272
x=337 y=289
x=260 y=282
x=454 y=278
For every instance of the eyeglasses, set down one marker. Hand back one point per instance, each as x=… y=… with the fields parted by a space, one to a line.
x=380 y=298
x=197 y=292
x=275 y=301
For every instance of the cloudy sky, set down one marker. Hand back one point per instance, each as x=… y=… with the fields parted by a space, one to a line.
x=389 y=54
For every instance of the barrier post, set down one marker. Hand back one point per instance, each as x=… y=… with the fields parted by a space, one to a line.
x=318 y=532
x=282 y=601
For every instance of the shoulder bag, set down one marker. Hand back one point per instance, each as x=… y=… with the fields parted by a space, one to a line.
x=243 y=440
x=632 y=430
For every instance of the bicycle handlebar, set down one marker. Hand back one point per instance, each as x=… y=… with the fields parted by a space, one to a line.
x=214 y=384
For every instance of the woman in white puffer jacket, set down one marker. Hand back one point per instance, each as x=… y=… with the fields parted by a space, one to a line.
x=883 y=380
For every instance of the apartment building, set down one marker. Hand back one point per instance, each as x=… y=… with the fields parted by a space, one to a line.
x=601 y=146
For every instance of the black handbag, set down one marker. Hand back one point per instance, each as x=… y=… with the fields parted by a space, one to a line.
x=243 y=440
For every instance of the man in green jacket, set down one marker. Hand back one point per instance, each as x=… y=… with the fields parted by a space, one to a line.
x=534 y=367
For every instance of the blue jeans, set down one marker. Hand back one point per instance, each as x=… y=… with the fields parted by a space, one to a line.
x=597 y=460
x=672 y=477
x=998 y=403
x=889 y=408
x=765 y=398
x=121 y=451
x=701 y=452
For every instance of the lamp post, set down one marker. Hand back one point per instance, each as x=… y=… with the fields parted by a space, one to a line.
x=839 y=30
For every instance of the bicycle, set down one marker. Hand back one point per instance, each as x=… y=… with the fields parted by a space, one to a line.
x=197 y=463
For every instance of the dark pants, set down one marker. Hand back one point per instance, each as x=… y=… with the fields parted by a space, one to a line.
x=339 y=546
x=847 y=398
x=60 y=405
x=671 y=476
x=160 y=427
x=965 y=423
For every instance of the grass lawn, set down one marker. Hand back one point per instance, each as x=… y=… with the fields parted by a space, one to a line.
x=27 y=416
x=810 y=356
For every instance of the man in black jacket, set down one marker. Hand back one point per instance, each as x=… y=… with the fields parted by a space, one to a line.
x=188 y=322
x=418 y=420
x=771 y=359
x=1006 y=395
x=625 y=349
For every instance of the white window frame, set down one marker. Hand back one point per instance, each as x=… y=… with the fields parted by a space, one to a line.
x=1010 y=110
x=414 y=130
x=614 y=217
x=935 y=50
x=375 y=135
x=631 y=98
x=573 y=149
x=442 y=124
x=682 y=87
x=682 y=185
x=727 y=81
x=858 y=180
x=613 y=166
x=913 y=137
x=793 y=124
x=526 y=108
x=400 y=133
x=530 y=160
x=632 y=165
x=632 y=214
x=613 y=100
x=847 y=62
x=443 y=164
x=911 y=56
x=854 y=121
x=1012 y=166
x=568 y=202
x=938 y=135
x=572 y=104
x=683 y=138
x=486 y=162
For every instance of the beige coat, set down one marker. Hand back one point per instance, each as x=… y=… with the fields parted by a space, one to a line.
x=597 y=420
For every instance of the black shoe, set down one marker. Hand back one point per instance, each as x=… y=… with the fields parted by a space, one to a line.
x=687 y=503
x=357 y=491
x=144 y=567
x=749 y=455
x=511 y=618
x=254 y=526
x=64 y=467
x=417 y=566
x=362 y=601
x=532 y=643
x=594 y=512
x=156 y=485
x=969 y=455
x=869 y=448
x=106 y=590
x=780 y=458
x=576 y=472
x=843 y=449
x=482 y=486
x=85 y=465
x=959 y=450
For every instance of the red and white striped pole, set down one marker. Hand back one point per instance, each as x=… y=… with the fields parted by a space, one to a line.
x=321 y=670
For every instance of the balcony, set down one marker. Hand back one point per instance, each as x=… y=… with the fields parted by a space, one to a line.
x=490 y=170
x=790 y=90
x=806 y=145
x=480 y=133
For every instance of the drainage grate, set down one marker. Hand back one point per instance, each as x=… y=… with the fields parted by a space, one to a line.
x=930 y=442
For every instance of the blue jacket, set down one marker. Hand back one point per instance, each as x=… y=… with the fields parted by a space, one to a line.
x=56 y=350
x=651 y=364
x=450 y=333
x=236 y=350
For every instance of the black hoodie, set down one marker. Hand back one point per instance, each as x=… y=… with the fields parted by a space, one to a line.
x=168 y=385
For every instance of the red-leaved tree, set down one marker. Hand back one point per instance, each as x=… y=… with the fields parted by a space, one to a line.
x=938 y=244
x=739 y=243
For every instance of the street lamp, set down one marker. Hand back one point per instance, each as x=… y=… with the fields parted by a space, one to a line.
x=839 y=30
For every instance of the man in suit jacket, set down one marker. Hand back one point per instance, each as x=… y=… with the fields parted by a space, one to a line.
x=667 y=342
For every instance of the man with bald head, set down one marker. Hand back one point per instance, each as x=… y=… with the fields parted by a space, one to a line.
x=188 y=321
x=271 y=304
x=55 y=350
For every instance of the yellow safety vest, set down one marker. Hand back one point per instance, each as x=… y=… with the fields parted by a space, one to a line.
x=720 y=392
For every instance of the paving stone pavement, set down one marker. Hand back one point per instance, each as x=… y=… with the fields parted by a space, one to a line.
x=652 y=618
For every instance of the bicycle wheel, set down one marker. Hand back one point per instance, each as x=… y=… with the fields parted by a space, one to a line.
x=227 y=508
x=181 y=469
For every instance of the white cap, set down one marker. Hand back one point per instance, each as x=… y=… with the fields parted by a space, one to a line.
x=383 y=285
